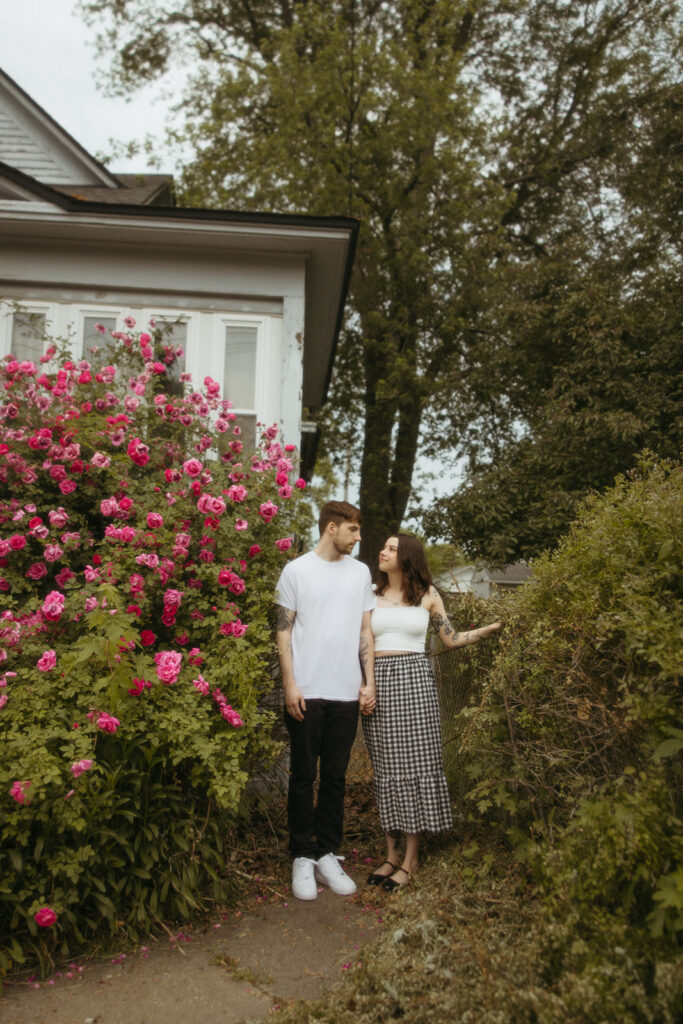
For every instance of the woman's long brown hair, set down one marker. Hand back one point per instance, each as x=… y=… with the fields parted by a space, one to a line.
x=412 y=561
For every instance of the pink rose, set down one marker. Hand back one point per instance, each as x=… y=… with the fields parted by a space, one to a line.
x=100 y=460
x=37 y=571
x=300 y=483
x=254 y=550
x=67 y=486
x=154 y=520
x=149 y=559
x=173 y=598
x=45 y=917
x=267 y=510
x=109 y=506
x=201 y=685
x=168 y=665
x=138 y=452
x=63 y=577
x=241 y=524
x=236 y=628
x=59 y=518
x=192 y=467
x=136 y=582
x=47 y=661
x=236 y=492
x=107 y=723
x=52 y=553
x=17 y=542
x=19 y=791
x=81 y=766
x=284 y=544
x=53 y=606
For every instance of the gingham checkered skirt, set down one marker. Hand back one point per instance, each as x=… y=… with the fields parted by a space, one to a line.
x=403 y=736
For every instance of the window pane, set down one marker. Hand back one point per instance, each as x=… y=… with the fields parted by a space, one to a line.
x=28 y=331
x=239 y=375
x=247 y=424
x=103 y=342
x=174 y=335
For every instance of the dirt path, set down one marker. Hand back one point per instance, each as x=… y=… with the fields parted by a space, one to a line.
x=233 y=971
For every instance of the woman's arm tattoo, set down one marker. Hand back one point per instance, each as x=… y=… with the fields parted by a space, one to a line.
x=440 y=622
x=284 y=618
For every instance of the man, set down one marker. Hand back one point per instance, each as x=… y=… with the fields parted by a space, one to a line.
x=324 y=639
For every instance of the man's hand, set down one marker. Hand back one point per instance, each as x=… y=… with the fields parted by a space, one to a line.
x=367 y=698
x=294 y=702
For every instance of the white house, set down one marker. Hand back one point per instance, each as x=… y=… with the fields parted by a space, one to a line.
x=256 y=299
x=482 y=580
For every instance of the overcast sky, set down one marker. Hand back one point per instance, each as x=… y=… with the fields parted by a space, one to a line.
x=50 y=53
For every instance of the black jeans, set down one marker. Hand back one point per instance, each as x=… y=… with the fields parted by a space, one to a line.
x=326 y=734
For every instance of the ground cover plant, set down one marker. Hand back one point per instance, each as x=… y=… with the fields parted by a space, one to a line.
x=139 y=544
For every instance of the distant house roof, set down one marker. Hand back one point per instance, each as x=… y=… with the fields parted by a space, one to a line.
x=134 y=189
x=517 y=573
x=482 y=577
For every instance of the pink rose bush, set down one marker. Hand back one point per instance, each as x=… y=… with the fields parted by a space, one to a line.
x=139 y=543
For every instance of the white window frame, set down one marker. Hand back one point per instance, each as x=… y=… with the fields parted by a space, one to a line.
x=64 y=319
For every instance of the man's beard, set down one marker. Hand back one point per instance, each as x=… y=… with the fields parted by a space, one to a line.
x=343 y=549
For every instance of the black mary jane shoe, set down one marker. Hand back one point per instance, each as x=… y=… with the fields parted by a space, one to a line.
x=375 y=879
x=391 y=885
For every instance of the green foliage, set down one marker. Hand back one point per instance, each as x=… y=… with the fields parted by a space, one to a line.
x=476 y=142
x=574 y=742
x=603 y=366
x=140 y=547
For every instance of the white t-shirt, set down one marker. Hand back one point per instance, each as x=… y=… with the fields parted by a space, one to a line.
x=329 y=599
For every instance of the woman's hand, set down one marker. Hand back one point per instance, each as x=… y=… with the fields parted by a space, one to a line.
x=367 y=699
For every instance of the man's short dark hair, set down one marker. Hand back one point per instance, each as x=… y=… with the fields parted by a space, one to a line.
x=338 y=512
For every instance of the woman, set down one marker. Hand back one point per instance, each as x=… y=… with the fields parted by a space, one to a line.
x=404 y=733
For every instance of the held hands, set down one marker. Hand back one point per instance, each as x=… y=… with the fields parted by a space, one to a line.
x=367 y=698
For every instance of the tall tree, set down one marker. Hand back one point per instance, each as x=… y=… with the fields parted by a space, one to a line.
x=462 y=133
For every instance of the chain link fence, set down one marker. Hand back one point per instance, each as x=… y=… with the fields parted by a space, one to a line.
x=460 y=676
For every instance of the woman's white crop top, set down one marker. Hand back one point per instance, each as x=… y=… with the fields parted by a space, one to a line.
x=402 y=628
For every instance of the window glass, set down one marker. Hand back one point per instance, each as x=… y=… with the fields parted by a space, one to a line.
x=174 y=335
x=239 y=374
x=247 y=424
x=28 y=336
x=94 y=339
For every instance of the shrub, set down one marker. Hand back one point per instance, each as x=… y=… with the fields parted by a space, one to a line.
x=140 y=549
x=574 y=744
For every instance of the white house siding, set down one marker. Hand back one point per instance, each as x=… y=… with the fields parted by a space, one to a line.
x=32 y=142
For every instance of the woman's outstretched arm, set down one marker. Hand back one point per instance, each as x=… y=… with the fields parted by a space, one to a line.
x=447 y=634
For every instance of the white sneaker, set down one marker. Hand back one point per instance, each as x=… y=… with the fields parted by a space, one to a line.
x=329 y=871
x=303 y=879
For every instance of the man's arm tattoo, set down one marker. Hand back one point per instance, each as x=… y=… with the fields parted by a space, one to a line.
x=363 y=651
x=284 y=619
